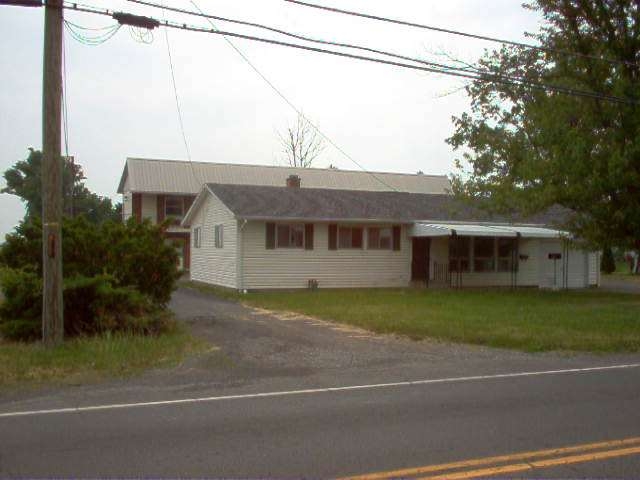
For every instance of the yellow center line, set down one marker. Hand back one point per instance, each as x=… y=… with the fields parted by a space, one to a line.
x=521 y=467
x=476 y=462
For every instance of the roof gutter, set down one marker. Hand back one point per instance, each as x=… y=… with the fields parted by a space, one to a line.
x=273 y=218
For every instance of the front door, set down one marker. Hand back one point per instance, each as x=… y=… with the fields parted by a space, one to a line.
x=420 y=259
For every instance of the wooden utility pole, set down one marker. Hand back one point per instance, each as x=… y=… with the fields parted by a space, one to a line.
x=52 y=313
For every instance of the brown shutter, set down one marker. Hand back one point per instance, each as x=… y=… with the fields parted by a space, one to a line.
x=136 y=199
x=356 y=237
x=271 y=236
x=308 y=236
x=396 y=237
x=160 y=208
x=333 y=237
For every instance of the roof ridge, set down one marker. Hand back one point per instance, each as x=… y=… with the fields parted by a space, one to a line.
x=325 y=189
x=253 y=165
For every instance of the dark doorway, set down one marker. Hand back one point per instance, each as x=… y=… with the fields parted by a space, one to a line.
x=420 y=259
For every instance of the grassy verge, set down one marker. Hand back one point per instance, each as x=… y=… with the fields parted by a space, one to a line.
x=530 y=320
x=91 y=359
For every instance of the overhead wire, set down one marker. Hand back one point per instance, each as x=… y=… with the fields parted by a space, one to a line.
x=297 y=110
x=65 y=118
x=443 y=67
x=91 y=36
x=541 y=48
x=480 y=76
x=290 y=34
x=178 y=107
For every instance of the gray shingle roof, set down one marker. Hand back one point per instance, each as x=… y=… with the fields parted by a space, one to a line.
x=170 y=176
x=263 y=202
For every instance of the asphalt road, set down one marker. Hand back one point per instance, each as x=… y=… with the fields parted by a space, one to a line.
x=323 y=433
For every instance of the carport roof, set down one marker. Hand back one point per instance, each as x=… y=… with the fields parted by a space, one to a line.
x=484 y=230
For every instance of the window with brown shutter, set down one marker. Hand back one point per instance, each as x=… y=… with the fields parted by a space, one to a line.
x=333 y=237
x=308 y=236
x=396 y=237
x=379 y=238
x=270 y=243
x=349 y=237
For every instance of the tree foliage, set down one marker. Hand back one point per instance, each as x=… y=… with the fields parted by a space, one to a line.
x=135 y=254
x=607 y=262
x=24 y=180
x=528 y=148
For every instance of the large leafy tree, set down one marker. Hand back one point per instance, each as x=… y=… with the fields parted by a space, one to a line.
x=529 y=148
x=24 y=180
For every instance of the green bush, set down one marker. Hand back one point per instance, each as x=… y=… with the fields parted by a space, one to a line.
x=607 y=262
x=92 y=305
x=134 y=254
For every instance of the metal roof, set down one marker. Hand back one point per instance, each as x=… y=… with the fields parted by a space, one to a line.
x=257 y=202
x=482 y=230
x=181 y=177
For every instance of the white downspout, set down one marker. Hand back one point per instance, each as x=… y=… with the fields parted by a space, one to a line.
x=240 y=257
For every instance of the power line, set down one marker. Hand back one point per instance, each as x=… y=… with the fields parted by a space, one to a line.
x=93 y=36
x=485 y=77
x=478 y=71
x=294 y=107
x=178 y=108
x=289 y=34
x=463 y=34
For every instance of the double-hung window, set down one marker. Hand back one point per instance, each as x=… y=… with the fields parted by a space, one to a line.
x=349 y=237
x=290 y=235
x=218 y=232
x=379 y=238
x=197 y=237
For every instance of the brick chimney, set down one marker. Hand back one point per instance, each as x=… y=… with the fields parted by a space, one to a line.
x=293 y=181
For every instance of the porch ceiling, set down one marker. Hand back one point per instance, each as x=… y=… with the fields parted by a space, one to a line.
x=474 y=230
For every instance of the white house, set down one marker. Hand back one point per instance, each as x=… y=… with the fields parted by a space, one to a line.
x=160 y=189
x=254 y=237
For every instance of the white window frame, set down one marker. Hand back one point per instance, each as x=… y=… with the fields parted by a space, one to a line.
x=379 y=246
x=290 y=226
x=218 y=232
x=197 y=237
x=350 y=228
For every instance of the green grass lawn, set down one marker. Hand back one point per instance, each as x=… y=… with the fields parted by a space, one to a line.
x=531 y=320
x=91 y=359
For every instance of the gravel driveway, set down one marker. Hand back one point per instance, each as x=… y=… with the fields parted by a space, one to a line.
x=254 y=350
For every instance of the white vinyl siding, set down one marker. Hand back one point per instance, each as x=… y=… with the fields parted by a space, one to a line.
x=594 y=268
x=293 y=268
x=216 y=266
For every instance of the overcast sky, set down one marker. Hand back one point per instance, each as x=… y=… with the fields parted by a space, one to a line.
x=121 y=101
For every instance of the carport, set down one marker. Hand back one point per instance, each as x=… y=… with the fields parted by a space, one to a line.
x=471 y=254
